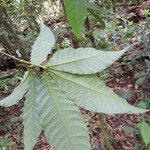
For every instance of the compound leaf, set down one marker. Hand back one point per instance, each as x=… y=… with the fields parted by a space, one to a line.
x=42 y=45
x=76 y=11
x=32 y=126
x=60 y=118
x=17 y=94
x=90 y=93
x=83 y=60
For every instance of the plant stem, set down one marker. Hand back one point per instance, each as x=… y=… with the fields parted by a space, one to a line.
x=104 y=131
x=21 y=60
x=9 y=26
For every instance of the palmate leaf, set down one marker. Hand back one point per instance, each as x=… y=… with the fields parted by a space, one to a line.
x=76 y=11
x=60 y=118
x=91 y=93
x=31 y=121
x=17 y=94
x=83 y=60
x=42 y=45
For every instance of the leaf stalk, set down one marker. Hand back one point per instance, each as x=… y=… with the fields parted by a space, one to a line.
x=23 y=61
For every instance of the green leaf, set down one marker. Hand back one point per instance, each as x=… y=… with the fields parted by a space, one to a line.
x=83 y=60
x=145 y=131
x=94 y=7
x=90 y=93
x=61 y=119
x=76 y=11
x=31 y=120
x=17 y=94
x=98 y=18
x=42 y=45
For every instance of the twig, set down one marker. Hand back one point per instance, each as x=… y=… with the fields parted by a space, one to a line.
x=105 y=132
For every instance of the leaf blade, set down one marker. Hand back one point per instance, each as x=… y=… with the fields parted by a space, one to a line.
x=42 y=45
x=31 y=120
x=145 y=131
x=83 y=60
x=98 y=18
x=61 y=119
x=97 y=97
x=17 y=93
x=76 y=11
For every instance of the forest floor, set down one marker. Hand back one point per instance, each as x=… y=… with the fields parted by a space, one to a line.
x=123 y=129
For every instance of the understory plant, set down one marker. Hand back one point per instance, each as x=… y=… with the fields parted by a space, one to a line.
x=55 y=89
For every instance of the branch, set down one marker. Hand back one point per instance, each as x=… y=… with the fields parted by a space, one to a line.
x=104 y=131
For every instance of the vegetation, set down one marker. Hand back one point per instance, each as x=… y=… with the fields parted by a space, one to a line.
x=58 y=78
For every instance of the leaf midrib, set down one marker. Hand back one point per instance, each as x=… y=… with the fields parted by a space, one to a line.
x=98 y=92
x=60 y=113
x=32 y=101
x=77 y=60
x=33 y=96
